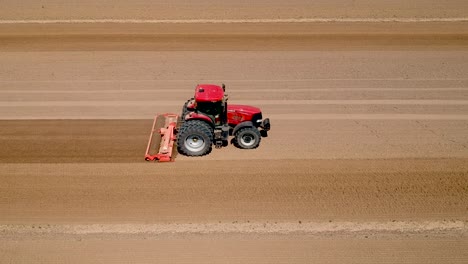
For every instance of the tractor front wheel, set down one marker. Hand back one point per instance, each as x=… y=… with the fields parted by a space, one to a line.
x=247 y=138
x=195 y=138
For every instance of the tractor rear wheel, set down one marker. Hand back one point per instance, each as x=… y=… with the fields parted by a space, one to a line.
x=195 y=138
x=247 y=138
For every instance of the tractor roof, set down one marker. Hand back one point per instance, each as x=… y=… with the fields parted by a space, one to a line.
x=208 y=93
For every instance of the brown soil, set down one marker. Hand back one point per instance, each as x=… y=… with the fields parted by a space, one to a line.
x=224 y=9
x=367 y=160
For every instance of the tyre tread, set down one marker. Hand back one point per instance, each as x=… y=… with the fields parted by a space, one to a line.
x=252 y=129
x=199 y=126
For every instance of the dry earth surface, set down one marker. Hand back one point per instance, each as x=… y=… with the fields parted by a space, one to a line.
x=225 y=9
x=367 y=160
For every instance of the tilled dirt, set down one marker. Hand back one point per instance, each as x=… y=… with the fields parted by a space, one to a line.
x=224 y=9
x=237 y=250
x=366 y=162
x=205 y=191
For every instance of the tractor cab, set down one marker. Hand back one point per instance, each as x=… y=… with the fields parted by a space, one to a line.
x=211 y=101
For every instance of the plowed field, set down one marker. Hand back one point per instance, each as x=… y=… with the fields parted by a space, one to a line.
x=366 y=162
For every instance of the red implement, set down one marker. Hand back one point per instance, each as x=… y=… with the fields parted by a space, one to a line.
x=162 y=138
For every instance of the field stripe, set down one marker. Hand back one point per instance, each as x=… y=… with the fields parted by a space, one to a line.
x=237 y=80
x=368 y=117
x=397 y=227
x=230 y=21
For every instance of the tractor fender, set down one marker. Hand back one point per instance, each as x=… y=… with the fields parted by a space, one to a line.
x=242 y=125
x=195 y=116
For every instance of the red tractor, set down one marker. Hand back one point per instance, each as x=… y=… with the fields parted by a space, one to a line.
x=206 y=120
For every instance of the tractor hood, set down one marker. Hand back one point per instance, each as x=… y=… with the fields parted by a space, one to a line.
x=245 y=109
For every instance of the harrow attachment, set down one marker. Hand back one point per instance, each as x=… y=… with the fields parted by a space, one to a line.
x=162 y=138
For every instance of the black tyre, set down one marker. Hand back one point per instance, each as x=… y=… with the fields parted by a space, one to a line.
x=184 y=111
x=195 y=138
x=184 y=107
x=247 y=138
